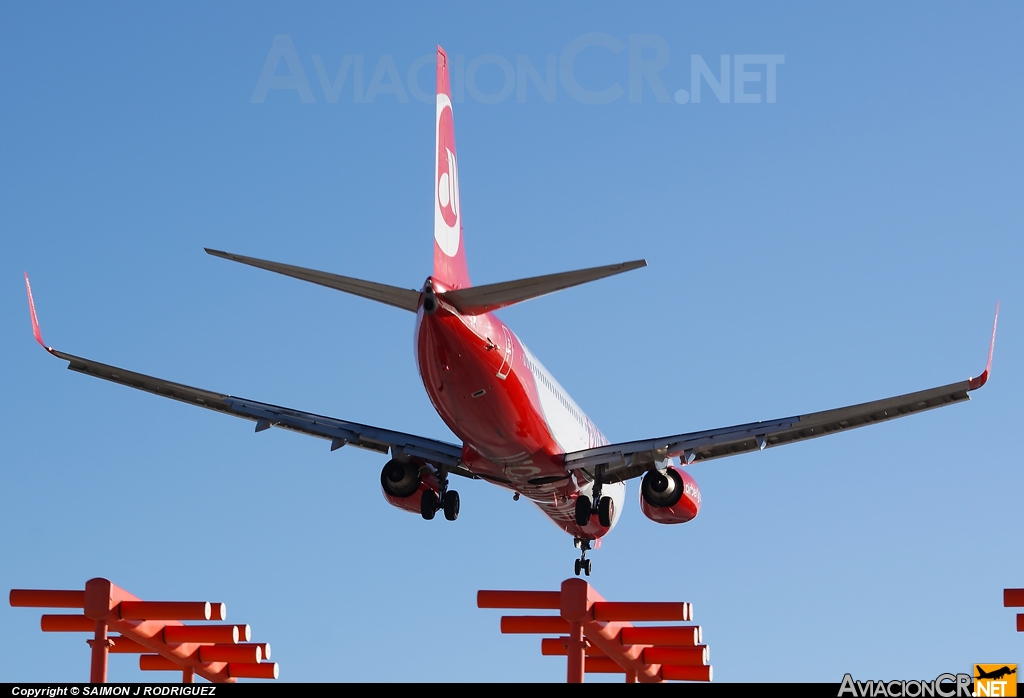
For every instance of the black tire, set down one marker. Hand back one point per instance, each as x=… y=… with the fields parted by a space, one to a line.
x=587 y=567
x=428 y=504
x=451 y=505
x=579 y=567
x=605 y=511
x=583 y=510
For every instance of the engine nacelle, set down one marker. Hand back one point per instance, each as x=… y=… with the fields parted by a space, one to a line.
x=669 y=497
x=403 y=483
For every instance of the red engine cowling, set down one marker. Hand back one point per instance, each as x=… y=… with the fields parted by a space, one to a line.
x=403 y=483
x=669 y=497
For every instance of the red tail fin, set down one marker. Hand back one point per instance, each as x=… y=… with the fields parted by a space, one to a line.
x=449 y=248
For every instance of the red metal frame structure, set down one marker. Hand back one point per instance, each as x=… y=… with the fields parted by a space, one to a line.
x=153 y=629
x=598 y=636
x=1014 y=598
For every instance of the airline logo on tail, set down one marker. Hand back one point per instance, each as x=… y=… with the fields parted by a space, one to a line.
x=449 y=251
x=446 y=223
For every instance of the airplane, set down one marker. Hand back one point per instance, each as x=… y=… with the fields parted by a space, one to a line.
x=518 y=428
x=995 y=674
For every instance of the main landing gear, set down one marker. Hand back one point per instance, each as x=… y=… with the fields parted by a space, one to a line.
x=605 y=508
x=431 y=503
x=583 y=564
x=585 y=509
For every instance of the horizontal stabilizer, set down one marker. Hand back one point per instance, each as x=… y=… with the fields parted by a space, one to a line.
x=482 y=299
x=403 y=298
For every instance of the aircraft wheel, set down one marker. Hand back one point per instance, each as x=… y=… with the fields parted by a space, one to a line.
x=428 y=504
x=605 y=511
x=451 y=505
x=583 y=510
x=579 y=566
x=586 y=566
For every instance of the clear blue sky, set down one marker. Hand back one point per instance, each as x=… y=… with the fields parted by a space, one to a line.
x=846 y=242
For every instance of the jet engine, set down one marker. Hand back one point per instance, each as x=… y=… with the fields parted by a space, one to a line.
x=403 y=483
x=670 y=496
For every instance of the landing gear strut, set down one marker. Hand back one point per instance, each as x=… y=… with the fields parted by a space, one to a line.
x=448 y=500
x=583 y=564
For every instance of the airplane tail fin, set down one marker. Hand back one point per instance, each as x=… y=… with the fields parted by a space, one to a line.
x=449 y=249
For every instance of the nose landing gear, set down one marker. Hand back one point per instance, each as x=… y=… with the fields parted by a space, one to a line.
x=583 y=564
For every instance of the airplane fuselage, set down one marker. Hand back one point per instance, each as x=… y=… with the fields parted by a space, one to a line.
x=515 y=421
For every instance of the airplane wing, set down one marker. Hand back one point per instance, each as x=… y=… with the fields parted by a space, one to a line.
x=339 y=432
x=631 y=459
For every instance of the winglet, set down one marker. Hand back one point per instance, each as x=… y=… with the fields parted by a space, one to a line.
x=976 y=383
x=35 y=320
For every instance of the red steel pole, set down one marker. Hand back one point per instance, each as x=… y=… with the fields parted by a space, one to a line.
x=66 y=623
x=641 y=610
x=100 y=643
x=665 y=636
x=263 y=670
x=576 y=653
x=47 y=598
x=165 y=610
x=534 y=624
x=517 y=599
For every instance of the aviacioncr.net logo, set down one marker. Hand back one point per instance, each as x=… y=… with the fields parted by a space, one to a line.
x=995 y=680
x=942 y=686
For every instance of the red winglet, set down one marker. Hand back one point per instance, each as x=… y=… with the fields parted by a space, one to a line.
x=35 y=320
x=976 y=383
